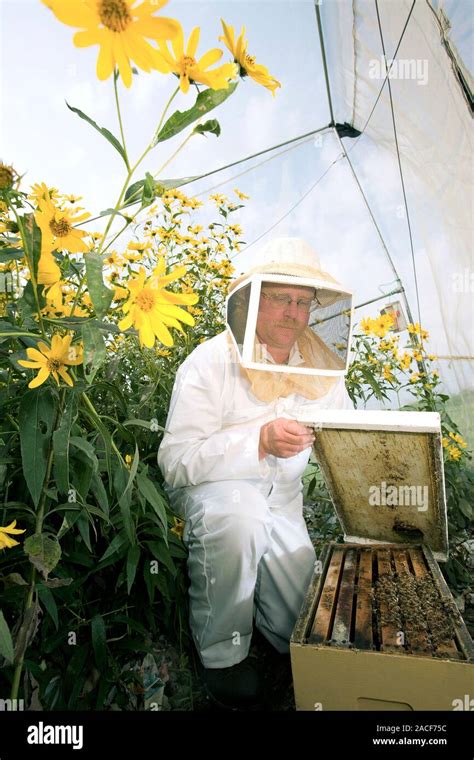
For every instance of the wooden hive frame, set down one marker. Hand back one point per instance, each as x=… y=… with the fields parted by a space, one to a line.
x=346 y=609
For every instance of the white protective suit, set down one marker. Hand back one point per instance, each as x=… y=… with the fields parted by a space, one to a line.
x=249 y=549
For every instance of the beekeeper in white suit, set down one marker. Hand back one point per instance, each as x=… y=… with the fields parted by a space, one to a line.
x=234 y=454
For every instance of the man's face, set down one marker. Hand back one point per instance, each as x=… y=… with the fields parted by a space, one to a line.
x=279 y=323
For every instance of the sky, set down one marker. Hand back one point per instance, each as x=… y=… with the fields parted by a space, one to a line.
x=307 y=191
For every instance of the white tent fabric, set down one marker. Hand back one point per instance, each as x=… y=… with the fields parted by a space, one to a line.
x=433 y=124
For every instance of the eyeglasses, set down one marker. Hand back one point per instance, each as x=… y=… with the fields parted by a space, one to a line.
x=280 y=301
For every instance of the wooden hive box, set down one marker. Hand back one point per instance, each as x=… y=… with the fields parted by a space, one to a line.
x=379 y=629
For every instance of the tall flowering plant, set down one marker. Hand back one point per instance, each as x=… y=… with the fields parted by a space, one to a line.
x=91 y=332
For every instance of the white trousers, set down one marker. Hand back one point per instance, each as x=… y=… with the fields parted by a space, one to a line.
x=250 y=555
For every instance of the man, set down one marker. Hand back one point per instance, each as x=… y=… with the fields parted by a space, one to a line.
x=234 y=454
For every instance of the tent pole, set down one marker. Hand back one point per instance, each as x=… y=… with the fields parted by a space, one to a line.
x=323 y=55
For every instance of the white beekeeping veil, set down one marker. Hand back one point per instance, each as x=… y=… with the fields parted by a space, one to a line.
x=289 y=322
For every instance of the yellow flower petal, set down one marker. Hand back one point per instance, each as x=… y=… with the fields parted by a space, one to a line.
x=40 y=378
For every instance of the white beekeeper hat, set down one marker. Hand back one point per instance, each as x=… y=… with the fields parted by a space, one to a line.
x=320 y=352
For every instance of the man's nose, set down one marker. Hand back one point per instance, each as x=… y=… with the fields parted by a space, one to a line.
x=292 y=309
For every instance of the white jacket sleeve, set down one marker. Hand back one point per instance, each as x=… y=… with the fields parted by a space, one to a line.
x=195 y=449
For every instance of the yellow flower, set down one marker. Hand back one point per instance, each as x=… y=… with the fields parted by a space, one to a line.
x=246 y=62
x=382 y=325
x=178 y=528
x=72 y=198
x=120 y=293
x=52 y=360
x=187 y=68
x=43 y=192
x=415 y=329
x=405 y=360
x=164 y=351
x=366 y=325
x=445 y=441
x=139 y=245
x=151 y=309
x=387 y=372
x=113 y=259
x=458 y=439
x=414 y=377
x=220 y=200
x=57 y=228
x=240 y=195
x=128 y=460
x=454 y=452
x=120 y=29
x=49 y=275
x=5 y=541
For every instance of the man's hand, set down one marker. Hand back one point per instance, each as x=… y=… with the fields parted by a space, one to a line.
x=284 y=438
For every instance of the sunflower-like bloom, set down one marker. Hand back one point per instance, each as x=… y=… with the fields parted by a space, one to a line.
x=5 y=541
x=8 y=176
x=52 y=361
x=187 y=68
x=121 y=29
x=246 y=62
x=151 y=309
x=57 y=228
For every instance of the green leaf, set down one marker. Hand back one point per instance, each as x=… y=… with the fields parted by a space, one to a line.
x=133 y=556
x=110 y=211
x=11 y=254
x=121 y=486
x=99 y=642
x=36 y=420
x=32 y=241
x=212 y=126
x=61 y=445
x=98 y=489
x=103 y=131
x=101 y=296
x=143 y=423
x=97 y=423
x=148 y=194
x=85 y=464
x=47 y=598
x=153 y=497
x=27 y=306
x=43 y=552
x=95 y=351
x=205 y=102
x=83 y=525
x=114 y=546
x=134 y=193
x=6 y=642
x=465 y=508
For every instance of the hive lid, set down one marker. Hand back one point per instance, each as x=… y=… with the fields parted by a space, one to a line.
x=384 y=472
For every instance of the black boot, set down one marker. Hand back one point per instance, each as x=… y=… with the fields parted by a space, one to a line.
x=234 y=688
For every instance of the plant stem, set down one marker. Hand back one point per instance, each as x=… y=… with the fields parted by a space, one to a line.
x=132 y=171
x=29 y=261
x=122 y=133
x=173 y=155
